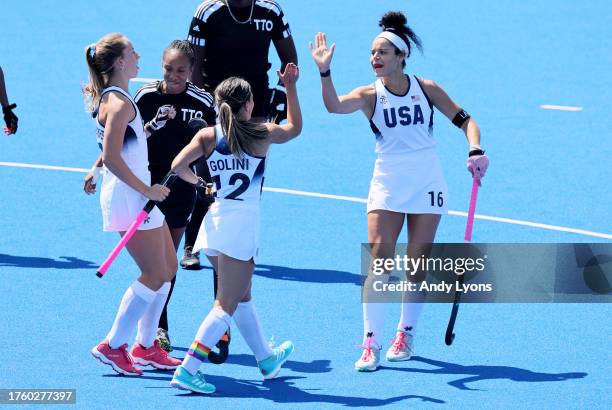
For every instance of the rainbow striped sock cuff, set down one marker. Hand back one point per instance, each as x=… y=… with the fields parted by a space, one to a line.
x=198 y=351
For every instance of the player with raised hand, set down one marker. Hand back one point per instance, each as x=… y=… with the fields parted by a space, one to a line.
x=230 y=232
x=126 y=187
x=408 y=183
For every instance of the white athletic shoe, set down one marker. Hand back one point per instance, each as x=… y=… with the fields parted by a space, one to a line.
x=370 y=358
x=401 y=347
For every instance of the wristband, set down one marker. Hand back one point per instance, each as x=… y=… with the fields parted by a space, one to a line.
x=326 y=73
x=476 y=151
x=95 y=172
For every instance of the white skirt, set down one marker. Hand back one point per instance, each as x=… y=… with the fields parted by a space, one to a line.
x=230 y=229
x=121 y=204
x=409 y=183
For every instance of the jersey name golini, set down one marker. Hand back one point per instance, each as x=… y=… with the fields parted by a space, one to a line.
x=235 y=178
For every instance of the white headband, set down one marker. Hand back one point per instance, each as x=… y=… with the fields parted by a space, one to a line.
x=396 y=40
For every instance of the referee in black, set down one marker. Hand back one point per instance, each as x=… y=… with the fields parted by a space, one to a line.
x=232 y=38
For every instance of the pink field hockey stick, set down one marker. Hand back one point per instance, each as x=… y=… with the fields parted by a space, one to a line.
x=450 y=336
x=167 y=181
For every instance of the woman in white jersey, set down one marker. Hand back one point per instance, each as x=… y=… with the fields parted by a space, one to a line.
x=236 y=152
x=408 y=183
x=112 y=61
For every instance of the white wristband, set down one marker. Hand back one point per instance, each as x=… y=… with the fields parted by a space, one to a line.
x=95 y=171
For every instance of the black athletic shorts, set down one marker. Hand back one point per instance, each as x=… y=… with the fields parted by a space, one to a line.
x=178 y=206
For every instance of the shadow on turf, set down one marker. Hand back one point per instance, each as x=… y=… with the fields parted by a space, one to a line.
x=279 y=390
x=480 y=372
x=283 y=390
x=306 y=275
x=69 y=262
x=316 y=366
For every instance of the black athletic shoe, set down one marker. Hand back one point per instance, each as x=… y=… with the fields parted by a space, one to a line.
x=190 y=261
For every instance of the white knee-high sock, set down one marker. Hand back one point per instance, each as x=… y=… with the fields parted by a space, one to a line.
x=373 y=312
x=212 y=328
x=134 y=303
x=411 y=308
x=147 y=325
x=247 y=322
x=373 y=322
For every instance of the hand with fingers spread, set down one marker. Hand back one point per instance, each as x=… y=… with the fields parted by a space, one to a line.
x=320 y=53
x=290 y=76
x=157 y=192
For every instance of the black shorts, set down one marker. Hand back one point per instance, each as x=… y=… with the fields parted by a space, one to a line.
x=178 y=206
x=261 y=97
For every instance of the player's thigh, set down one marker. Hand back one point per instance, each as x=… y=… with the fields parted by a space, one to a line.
x=148 y=249
x=384 y=228
x=422 y=228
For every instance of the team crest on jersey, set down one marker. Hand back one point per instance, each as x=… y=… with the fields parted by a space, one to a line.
x=383 y=100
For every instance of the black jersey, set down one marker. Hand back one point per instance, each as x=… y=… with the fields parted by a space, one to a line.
x=234 y=49
x=165 y=144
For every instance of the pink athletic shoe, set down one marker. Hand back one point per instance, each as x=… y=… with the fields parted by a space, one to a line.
x=154 y=356
x=119 y=359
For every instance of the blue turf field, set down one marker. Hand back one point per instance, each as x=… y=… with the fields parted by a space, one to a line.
x=499 y=60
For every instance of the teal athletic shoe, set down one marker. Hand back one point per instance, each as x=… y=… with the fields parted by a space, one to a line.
x=183 y=380
x=270 y=366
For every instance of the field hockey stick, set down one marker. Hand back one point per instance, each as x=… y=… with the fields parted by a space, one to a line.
x=167 y=181
x=450 y=336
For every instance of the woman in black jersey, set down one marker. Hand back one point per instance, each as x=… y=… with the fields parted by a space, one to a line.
x=167 y=139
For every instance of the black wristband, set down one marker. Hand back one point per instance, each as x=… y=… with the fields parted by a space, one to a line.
x=326 y=73
x=475 y=152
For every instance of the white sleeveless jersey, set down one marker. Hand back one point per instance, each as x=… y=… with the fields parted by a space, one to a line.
x=134 y=151
x=236 y=179
x=402 y=123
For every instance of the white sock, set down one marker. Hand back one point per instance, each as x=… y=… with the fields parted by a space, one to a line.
x=373 y=322
x=134 y=303
x=147 y=325
x=247 y=322
x=411 y=308
x=373 y=313
x=212 y=328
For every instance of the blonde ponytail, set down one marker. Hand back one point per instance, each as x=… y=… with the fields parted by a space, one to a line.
x=242 y=136
x=100 y=58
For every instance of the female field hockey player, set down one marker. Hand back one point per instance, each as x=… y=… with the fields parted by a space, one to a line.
x=126 y=187
x=167 y=139
x=236 y=152
x=408 y=183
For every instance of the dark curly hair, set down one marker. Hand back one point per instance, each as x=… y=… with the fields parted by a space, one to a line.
x=396 y=22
